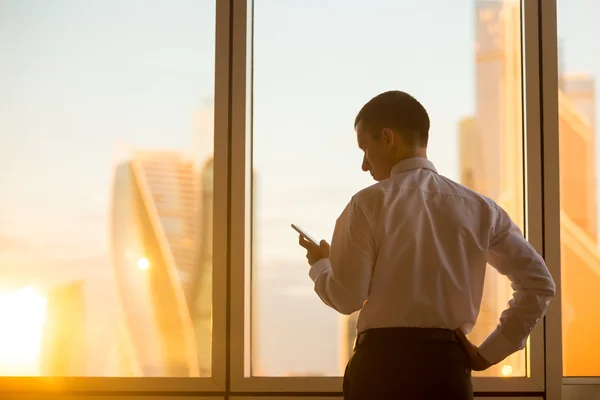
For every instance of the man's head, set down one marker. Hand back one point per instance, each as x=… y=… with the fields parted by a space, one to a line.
x=391 y=127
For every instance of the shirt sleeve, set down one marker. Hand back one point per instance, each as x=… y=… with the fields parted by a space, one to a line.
x=342 y=281
x=512 y=255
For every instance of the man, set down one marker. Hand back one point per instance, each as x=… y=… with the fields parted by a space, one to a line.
x=410 y=252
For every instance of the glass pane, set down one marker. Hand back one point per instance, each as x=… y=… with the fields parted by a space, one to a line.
x=578 y=68
x=106 y=169
x=462 y=61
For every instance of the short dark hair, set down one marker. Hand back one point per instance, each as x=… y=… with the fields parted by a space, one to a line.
x=396 y=110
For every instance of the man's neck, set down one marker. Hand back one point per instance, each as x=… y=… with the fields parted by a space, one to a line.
x=420 y=152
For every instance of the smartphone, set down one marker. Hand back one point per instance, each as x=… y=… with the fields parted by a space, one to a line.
x=305 y=235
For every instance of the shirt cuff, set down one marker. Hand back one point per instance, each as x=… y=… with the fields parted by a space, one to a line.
x=496 y=347
x=318 y=268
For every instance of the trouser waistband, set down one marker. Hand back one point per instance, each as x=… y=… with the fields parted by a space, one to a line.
x=405 y=335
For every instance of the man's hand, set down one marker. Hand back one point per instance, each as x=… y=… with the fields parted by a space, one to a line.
x=313 y=252
x=478 y=363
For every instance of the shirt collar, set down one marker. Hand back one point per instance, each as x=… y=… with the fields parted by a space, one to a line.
x=412 y=163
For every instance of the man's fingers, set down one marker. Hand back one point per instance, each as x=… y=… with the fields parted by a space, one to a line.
x=461 y=335
x=464 y=341
x=478 y=363
x=305 y=243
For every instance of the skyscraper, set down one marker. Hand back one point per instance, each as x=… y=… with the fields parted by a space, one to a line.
x=578 y=151
x=63 y=350
x=491 y=144
x=156 y=236
x=468 y=155
x=581 y=91
x=202 y=291
x=580 y=260
x=201 y=306
x=346 y=341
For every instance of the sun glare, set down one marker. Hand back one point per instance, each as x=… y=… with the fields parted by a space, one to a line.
x=507 y=370
x=143 y=264
x=22 y=316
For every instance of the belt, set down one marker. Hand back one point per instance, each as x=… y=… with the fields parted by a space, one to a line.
x=405 y=335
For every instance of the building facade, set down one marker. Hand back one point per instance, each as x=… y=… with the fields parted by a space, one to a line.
x=162 y=253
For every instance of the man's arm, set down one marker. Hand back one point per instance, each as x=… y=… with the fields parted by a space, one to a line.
x=512 y=255
x=342 y=281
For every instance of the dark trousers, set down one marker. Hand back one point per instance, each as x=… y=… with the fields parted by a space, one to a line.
x=408 y=363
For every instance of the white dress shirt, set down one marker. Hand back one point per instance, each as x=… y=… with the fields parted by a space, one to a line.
x=411 y=251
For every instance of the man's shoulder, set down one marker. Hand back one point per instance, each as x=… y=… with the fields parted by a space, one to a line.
x=455 y=188
x=369 y=194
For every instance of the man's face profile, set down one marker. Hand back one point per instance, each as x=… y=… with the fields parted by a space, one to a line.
x=374 y=152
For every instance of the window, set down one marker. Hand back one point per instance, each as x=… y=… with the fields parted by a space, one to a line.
x=106 y=169
x=580 y=253
x=313 y=70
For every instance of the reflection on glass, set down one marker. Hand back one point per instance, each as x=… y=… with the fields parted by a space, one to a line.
x=308 y=86
x=580 y=254
x=106 y=158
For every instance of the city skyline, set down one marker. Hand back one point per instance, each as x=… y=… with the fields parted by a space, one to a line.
x=149 y=87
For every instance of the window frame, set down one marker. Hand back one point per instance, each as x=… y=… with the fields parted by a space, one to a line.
x=548 y=92
x=217 y=381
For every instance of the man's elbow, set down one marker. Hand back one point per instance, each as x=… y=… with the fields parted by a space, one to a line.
x=550 y=288
x=545 y=289
x=543 y=283
x=350 y=306
x=345 y=310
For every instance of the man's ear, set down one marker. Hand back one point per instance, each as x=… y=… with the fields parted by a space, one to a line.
x=389 y=137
